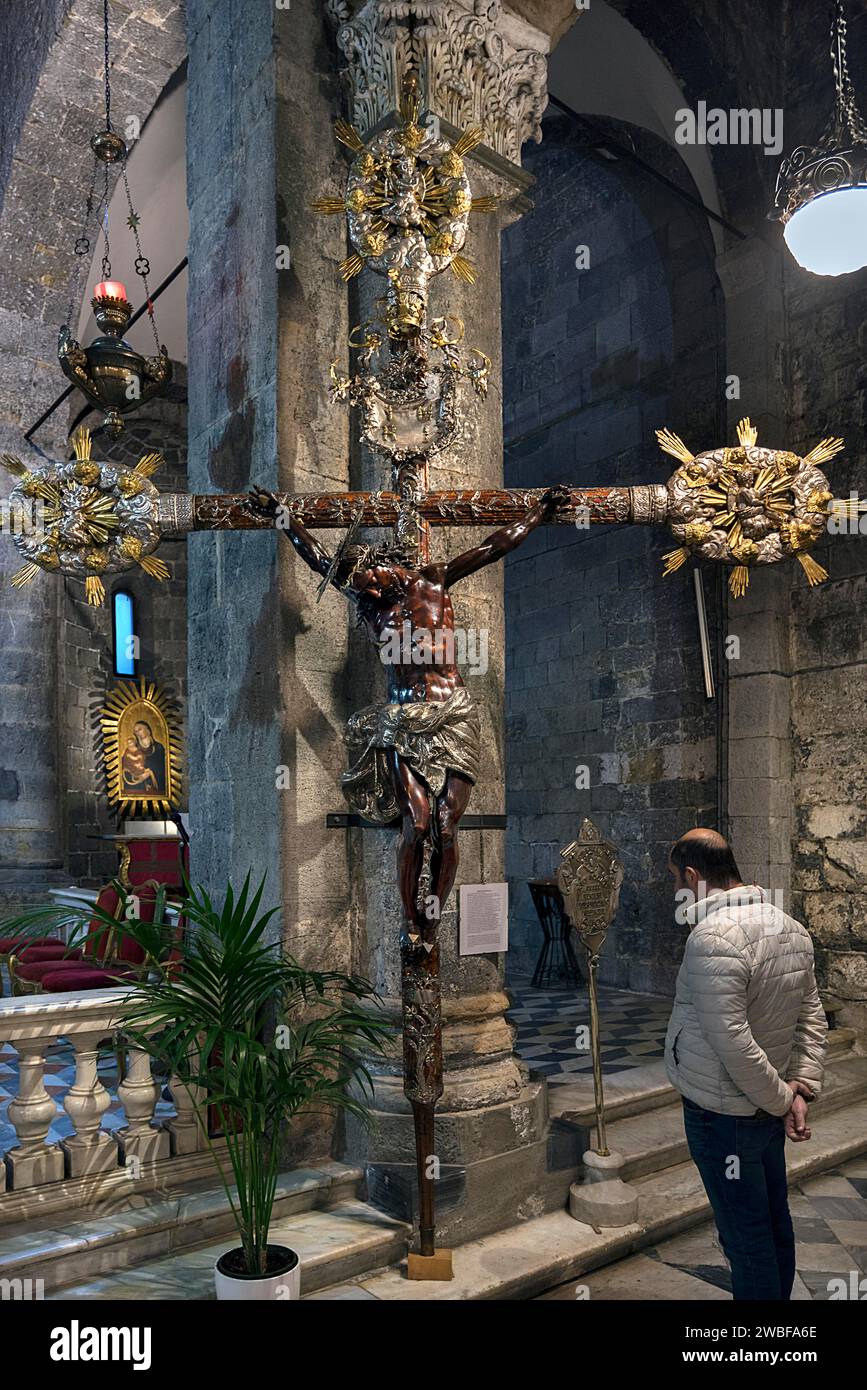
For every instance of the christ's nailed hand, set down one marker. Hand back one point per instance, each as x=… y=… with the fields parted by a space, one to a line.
x=557 y=496
x=263 y=502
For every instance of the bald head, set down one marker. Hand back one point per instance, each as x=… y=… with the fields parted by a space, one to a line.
x=708 y=855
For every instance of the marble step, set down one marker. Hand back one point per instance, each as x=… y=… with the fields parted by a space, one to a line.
x=344 y=1241
x=626 y=1093
x=147 y=1226
x=842 y=1041
x=529 y=1259
x=655 y=1140
x=648 y=1088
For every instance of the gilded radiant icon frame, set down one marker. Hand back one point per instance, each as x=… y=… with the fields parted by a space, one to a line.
x=144 y=780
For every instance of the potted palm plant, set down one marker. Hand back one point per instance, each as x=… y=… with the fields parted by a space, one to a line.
x=254 y=1039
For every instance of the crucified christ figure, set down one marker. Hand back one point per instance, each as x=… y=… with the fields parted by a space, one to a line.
x=416 y=755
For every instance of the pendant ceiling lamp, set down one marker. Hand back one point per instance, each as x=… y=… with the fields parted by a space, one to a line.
x=821 y=196
x=109 y=372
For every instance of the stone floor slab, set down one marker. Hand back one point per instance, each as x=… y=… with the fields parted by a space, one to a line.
x=639 y=1278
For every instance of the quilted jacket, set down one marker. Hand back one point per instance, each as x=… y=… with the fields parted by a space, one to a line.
x=746 y=1015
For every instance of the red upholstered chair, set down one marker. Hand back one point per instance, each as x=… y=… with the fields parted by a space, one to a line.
x=35 y=947
x=158 y=859
x=107 y=956
x=42 y=949
x=10 y=945
x=85 y=977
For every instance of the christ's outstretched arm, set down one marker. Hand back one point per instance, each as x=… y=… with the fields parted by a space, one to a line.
x=501 y=542
x=311 y=552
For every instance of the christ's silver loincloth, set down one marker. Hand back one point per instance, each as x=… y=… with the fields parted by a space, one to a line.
x=434 y=736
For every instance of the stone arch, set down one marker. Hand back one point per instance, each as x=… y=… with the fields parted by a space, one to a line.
x=607 y=68
x=714 y=55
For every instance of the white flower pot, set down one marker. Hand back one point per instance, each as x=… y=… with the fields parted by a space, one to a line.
x=284 y=1284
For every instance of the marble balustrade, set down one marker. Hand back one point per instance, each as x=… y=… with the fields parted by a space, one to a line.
x=92 y=1160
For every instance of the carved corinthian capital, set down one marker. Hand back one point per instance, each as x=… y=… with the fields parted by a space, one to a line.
x=478 y=64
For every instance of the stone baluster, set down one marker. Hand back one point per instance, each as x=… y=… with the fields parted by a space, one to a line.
x=141 y=1141
x=187 y=1134
x=90 y=1149
x=31 y=1112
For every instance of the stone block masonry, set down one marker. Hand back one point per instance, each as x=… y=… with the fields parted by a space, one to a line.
x=606 y=713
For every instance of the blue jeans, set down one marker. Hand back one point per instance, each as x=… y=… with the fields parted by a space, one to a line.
x=749 y=1197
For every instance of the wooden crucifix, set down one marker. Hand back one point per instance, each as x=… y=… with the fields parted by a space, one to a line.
x=413 y=757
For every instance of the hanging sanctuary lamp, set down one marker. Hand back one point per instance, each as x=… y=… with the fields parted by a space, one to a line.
x=821 y=195
x=109 y=372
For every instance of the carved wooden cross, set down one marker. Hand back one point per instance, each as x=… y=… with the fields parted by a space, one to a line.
x=414 y=509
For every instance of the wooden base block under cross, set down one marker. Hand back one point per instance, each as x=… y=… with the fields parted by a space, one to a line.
x=435 y=1266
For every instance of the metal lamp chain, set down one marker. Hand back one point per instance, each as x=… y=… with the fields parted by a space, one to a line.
x=81 y=248
x=142 y=264
x=97 y=370
x=106 y=253
x=847 y=114
x=107 y=66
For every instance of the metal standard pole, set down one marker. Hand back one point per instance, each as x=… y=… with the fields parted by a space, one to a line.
x=601 y=1139
x=701 y=609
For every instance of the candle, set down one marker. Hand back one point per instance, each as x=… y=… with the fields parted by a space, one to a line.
x=110 y=289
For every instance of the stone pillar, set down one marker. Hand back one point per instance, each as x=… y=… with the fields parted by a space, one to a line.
x=760 y=789
x=490 y=1123
x=30 y=820
x=266 y=663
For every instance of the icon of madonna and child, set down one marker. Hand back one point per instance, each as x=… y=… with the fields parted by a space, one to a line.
x=143 y=762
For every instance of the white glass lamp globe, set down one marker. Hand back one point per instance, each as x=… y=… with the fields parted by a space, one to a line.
x=828 y=235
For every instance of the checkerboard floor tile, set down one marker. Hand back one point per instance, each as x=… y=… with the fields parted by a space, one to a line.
x=827 y=1249
x=633 y=1028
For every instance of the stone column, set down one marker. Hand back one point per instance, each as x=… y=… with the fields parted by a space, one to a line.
x=490 y=1123
x=267 y=313
x=760 y=792
x=30 y=824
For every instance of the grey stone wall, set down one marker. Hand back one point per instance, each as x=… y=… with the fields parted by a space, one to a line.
x=603 y=668
x=27 y=30
x=30 y=806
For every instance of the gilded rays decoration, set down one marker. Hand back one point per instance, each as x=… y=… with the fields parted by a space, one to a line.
x=407 y=202
x=84 y=518
x=747 y=506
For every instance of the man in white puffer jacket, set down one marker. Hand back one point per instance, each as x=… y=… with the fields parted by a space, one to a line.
x=745 y=1047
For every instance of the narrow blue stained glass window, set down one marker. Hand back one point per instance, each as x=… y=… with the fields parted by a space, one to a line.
x=124 y=634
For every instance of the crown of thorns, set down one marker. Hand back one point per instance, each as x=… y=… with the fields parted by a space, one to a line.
x=365 y=557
